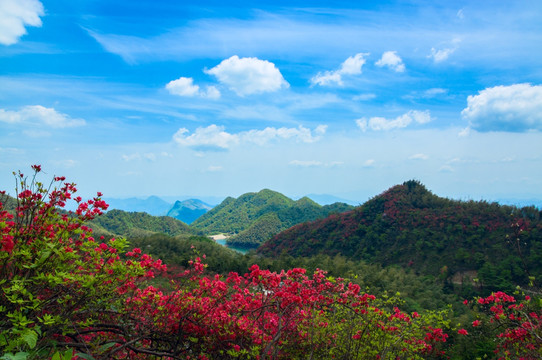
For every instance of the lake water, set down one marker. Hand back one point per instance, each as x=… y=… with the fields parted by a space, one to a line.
x=223 y=243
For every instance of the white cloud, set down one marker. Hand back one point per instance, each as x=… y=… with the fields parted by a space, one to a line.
x=37 y=114
x=391 y=60
x=314 y=163
x=211 y=92
x=439 y=55
x=327 y=78
x=214 y=168
x=215 y=137
x=513 y=108
x=464 y=132
x=427 y=94
x=419 y=157
x=369 y=163
x=301 y=134
x=15 y=15
x=248 y=76
x=431 y=93
x=184 y=86
x=306 y=163
x=446 y=169
x=351 y=66
x=380 y=123
x=211 y=137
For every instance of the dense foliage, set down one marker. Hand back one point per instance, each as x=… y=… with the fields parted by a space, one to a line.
x=66 y=295
x=255 y=217
x=137 y=224
x=500 y=246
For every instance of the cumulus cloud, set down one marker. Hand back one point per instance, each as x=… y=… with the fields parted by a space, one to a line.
x=210 y=137
x=351 y=66
x=380 y=123
x=392 y=60
x=246 y=76
x=184 y=86
x=15 y=15
x=37 y=114
x=514 y=108
x=215 y=137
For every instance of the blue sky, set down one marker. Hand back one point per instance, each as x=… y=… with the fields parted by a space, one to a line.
x=134 y=98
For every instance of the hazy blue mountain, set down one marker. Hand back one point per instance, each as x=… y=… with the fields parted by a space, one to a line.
x=326 y=199
x=152 y=205
x=188 y=210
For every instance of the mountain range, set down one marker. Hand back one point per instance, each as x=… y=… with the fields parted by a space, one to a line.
x=254 y=217
x=409 y=226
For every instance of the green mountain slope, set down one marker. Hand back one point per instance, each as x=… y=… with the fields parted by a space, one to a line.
x=409 y=226
x=255 y=217
x=138 y=224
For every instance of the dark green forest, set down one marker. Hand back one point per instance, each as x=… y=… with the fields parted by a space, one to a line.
x=466 y=243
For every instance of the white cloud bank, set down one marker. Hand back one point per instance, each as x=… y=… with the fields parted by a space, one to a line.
x=184 y=86
x=391 y=60
x=246 y=76
x=514 y=108
x=380 y=123
x=351 y=66
x=37 y=114
x=15 y=15
x=214 y=137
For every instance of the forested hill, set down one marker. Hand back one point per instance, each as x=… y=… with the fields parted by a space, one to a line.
x=409 y=226
x=138 y=224
x=256 y=217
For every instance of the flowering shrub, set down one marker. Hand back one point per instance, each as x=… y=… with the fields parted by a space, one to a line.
x=64 y=295
x=513 y=325
x=60 y=287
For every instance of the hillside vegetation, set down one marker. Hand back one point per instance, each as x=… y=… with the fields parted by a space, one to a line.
x=256 y=217
x=407 y=225
x=137 y=224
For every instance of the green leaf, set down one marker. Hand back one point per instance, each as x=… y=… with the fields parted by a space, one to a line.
x=85 y=356
x=19 y=356
x=107 y=346
x=31 y=338
x=68 y=355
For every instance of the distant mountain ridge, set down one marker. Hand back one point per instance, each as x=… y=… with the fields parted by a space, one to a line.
x=254 y=217
x=152 y=205
x=188 y=210
x=409 y=226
